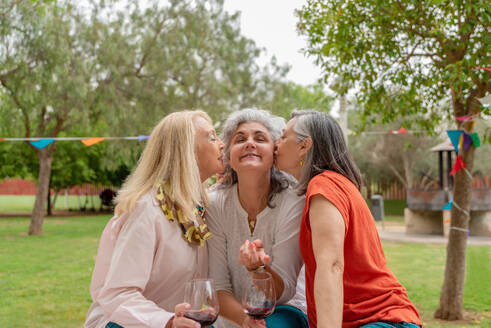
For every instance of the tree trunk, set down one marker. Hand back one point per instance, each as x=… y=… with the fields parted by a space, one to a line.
x=53 y=203
x=451 y=297
x=45 y=157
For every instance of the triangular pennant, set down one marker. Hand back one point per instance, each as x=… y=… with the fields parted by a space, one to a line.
x=2 y=139
x=454 y=136
x=40 y=144
x=475 y=139
x=466 y=117
x=459 y=164
x=461 y=140
x=467 y=140
x=448 y=206
x=141 y=138
x=92 y=141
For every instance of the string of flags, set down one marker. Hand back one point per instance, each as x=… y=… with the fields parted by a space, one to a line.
x=40 y=143
x=461 y=140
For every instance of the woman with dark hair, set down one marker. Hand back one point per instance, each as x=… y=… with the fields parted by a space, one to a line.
x=348 y=283
x=254 y=211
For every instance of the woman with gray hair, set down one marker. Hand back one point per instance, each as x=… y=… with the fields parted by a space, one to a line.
x=348 y=283
x=254 y=216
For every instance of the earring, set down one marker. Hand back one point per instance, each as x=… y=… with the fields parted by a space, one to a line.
x=301 y=162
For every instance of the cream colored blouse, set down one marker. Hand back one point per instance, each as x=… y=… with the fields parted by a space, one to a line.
x=142 y=265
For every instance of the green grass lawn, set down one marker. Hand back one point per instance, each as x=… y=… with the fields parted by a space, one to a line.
x=24 y=204
x=44 y=280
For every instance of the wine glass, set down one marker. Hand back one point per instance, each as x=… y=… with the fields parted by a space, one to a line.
x=202 y=297
x=259 y=297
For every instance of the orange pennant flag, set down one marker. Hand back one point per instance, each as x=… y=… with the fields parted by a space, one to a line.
x=92 y=141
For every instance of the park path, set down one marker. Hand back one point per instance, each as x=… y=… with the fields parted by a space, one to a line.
x=394 y=231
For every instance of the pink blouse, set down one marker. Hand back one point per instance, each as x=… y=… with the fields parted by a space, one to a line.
x=142 y=265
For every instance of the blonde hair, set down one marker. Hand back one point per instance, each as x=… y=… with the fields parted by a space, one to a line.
x=169 y=156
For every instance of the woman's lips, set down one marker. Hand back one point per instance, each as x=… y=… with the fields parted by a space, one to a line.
x=249 y=156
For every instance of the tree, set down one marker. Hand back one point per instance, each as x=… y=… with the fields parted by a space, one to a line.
x=46 y=72
x=428 y=52
x=68 y=71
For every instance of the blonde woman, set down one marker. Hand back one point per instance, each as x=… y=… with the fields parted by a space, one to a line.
x=156 y=240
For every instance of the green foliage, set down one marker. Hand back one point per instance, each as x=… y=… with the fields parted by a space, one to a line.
x=114 y=70
x=406 y=58
x=287 y=96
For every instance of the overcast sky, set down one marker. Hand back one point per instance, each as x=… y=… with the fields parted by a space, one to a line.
x=272 y=25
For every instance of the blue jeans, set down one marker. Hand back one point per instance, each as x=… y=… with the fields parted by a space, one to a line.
x=387 y=324
x=287 y=316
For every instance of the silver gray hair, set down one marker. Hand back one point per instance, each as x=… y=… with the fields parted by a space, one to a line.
x=329 y=150
x=274 y=125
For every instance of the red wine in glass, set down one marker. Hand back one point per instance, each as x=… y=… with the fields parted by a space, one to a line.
x=205 y=318
x=259 y=312
x=259 y=298
x=201 y=296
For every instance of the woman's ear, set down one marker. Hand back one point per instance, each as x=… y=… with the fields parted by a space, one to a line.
x=305 y=146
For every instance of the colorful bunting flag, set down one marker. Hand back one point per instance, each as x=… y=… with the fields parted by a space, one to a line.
x=461 y=140
x=467 y=140
x=475 y=139
x=484 y=68
x=466 y=117
x=400 y=131
x=448 y=206
x=40 y=144
x=141 y=138
x=459 y=164
x=1 y=139
x=454 y=136
x=92 y=141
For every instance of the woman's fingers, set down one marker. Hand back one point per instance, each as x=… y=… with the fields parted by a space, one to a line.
x=180 y=308
x=252 y=254
x=180 y=321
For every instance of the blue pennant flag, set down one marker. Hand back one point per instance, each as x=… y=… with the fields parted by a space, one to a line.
x=141 y=138
x=448 y=206
x=40 y=144
x=454 y=136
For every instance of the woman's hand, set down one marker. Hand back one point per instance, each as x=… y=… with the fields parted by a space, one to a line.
x=252 y=323
x=252 y=254
x=179 y=321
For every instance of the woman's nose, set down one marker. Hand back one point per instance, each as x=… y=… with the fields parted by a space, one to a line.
x=250 y=142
